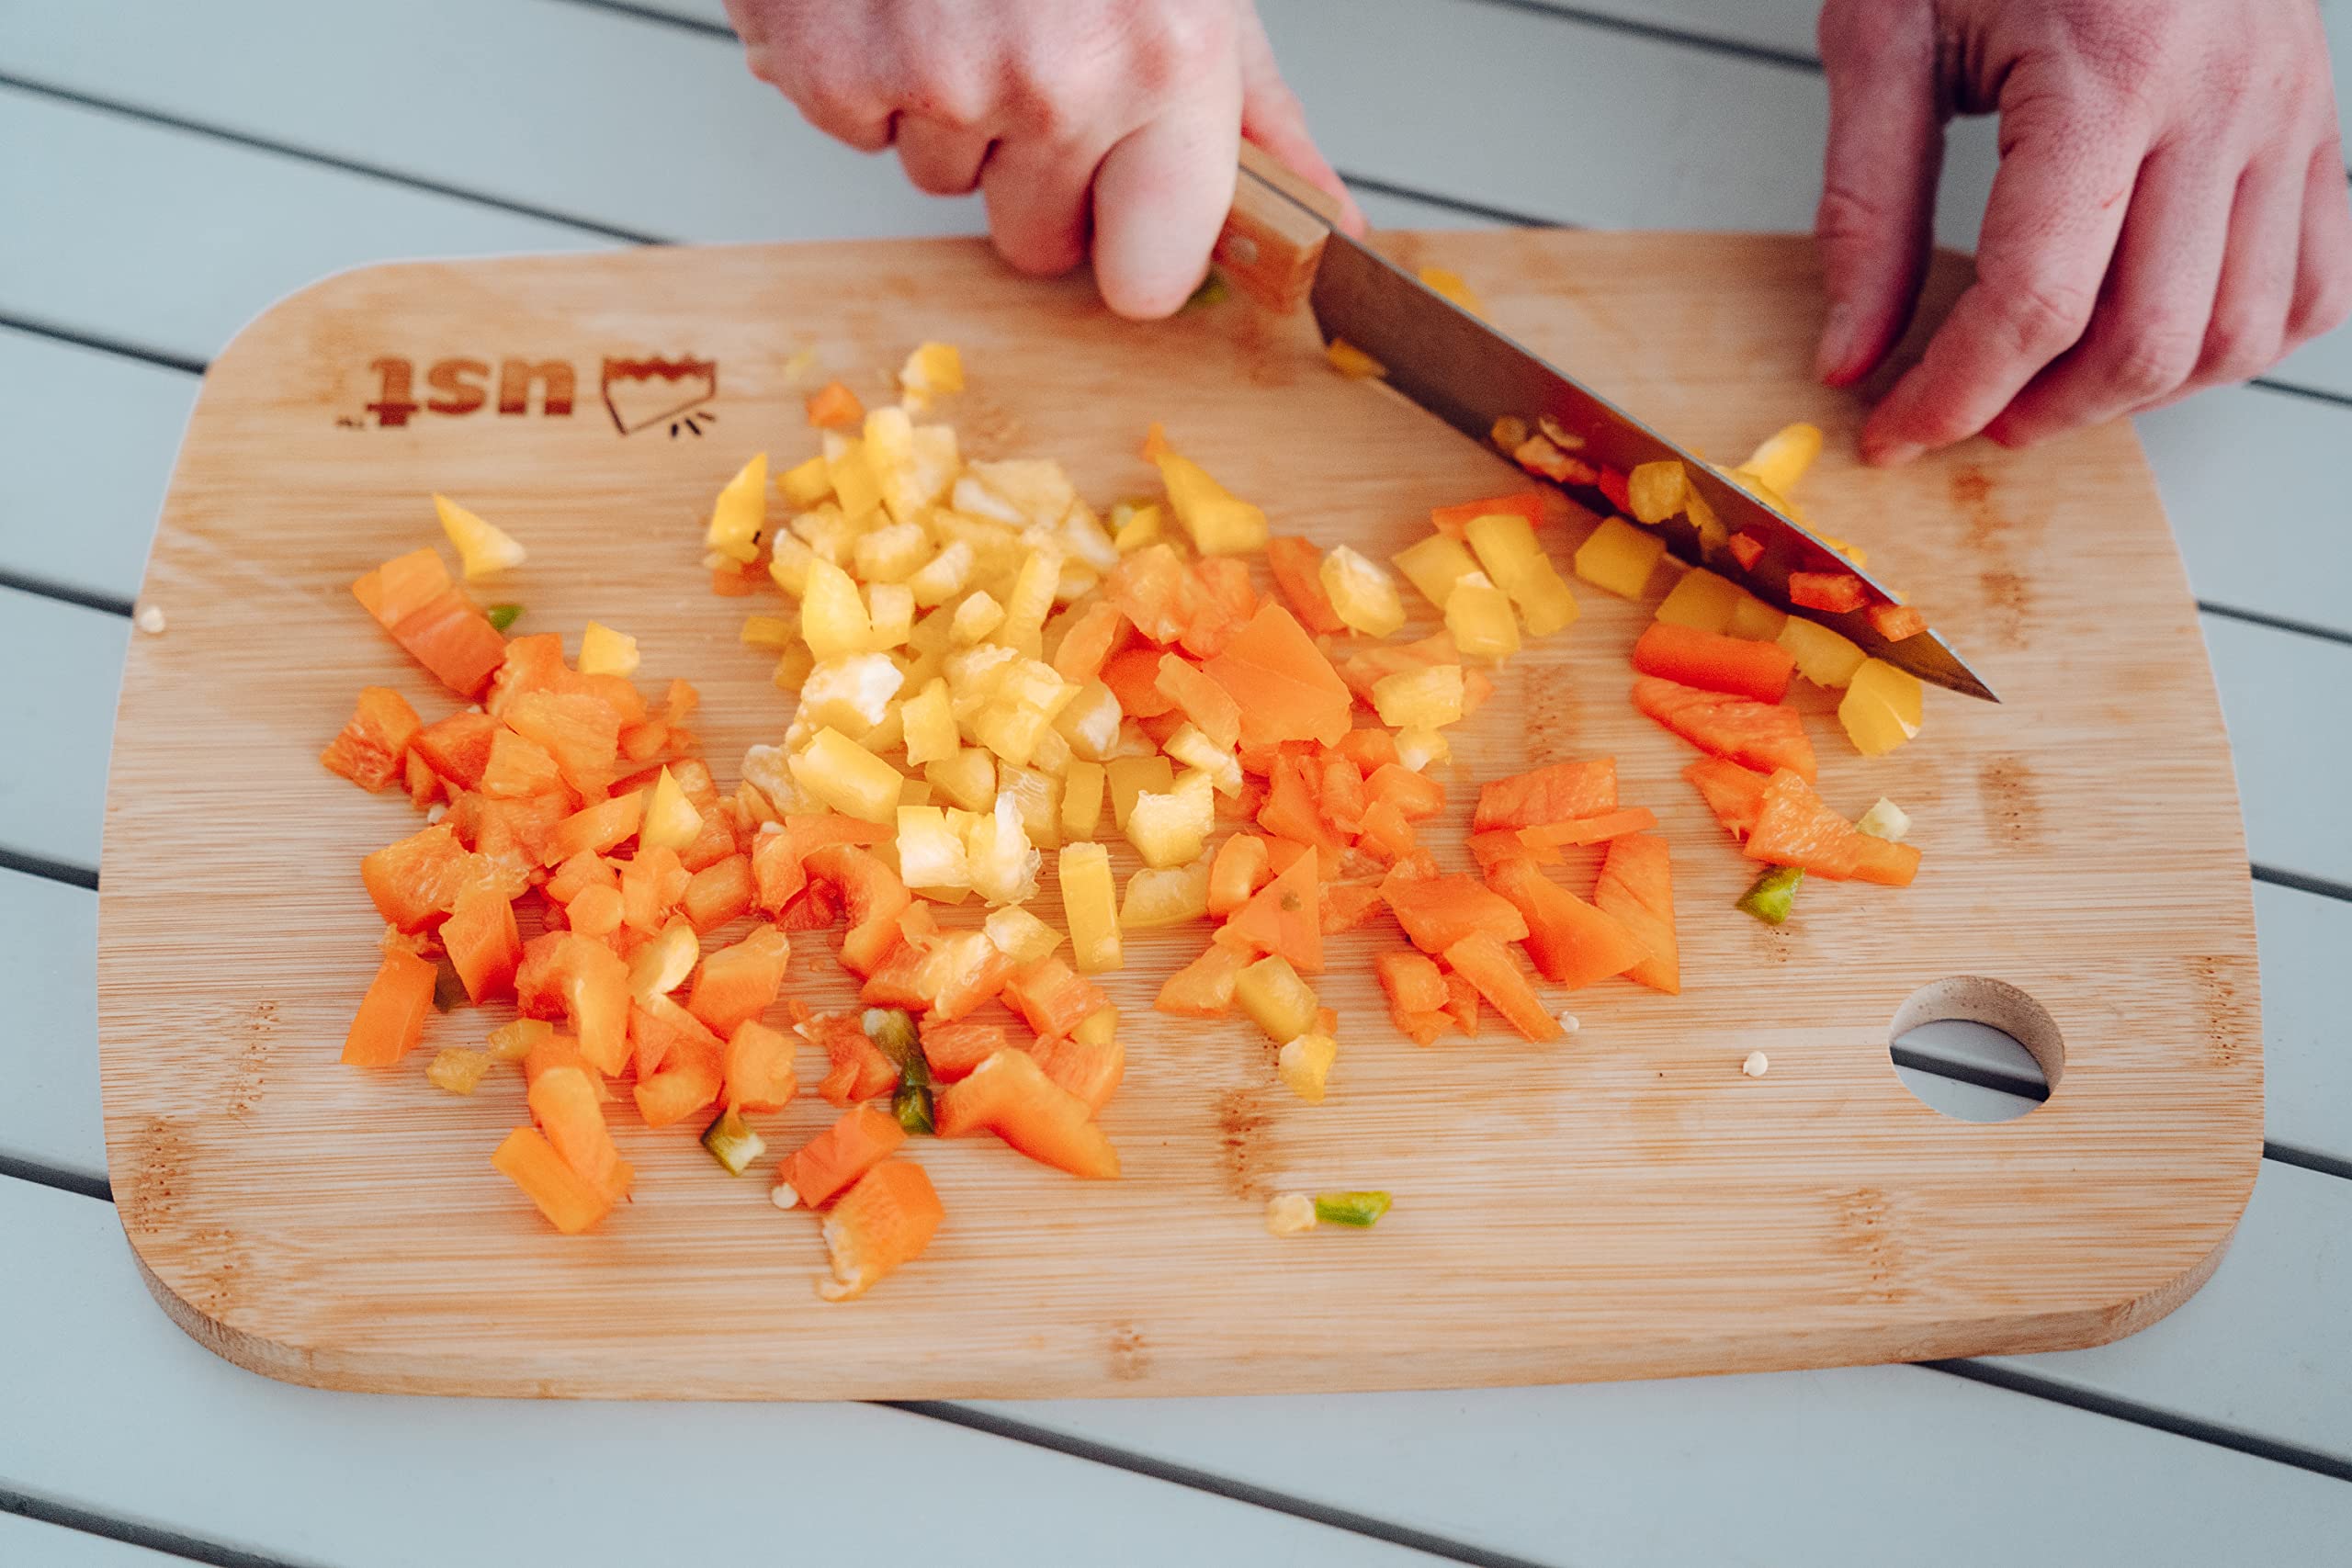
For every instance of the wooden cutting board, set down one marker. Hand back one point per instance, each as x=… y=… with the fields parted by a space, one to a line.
x=1625 y=1204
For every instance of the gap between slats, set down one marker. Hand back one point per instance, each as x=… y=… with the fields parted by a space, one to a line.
x=188 y=1547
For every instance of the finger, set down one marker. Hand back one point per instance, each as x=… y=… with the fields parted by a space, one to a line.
x=1037 y=196
x=2148 y=327
x=2324 y=269
x=1876 y=219
x=2248 y=330
x=866 y=125
x=2050 y=228
x=942 y=159
x=1272 y=117
x=1161 y=198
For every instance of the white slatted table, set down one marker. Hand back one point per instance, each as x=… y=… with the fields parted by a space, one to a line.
x=167 y=170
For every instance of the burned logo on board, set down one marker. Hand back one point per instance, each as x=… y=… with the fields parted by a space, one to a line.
x=642 y=394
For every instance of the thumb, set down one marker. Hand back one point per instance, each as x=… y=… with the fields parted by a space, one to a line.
x=1272 y=118
x=1876 y=220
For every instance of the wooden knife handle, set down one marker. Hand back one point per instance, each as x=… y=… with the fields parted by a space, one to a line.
x=1269 y=246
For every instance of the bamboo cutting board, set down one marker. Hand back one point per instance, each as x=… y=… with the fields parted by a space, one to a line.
x=1625 y=1204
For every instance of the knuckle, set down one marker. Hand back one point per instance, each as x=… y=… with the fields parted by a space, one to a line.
x=1175 y=45
x=2331 y=302
x=1869 y=32
x=2237 y=349
x=2042 y=316
x=2152 y=360
x=1845 y=215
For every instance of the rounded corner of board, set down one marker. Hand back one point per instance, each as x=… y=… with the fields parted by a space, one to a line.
x=321 y=295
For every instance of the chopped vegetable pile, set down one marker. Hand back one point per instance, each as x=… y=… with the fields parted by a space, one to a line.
x=987 y=676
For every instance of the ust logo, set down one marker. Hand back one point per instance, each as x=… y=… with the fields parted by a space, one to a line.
x=638 y=394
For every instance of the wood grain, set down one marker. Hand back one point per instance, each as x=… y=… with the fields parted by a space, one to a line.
x=1625 y=1205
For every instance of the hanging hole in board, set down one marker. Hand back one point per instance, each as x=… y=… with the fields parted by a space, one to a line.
x=1977 y=1049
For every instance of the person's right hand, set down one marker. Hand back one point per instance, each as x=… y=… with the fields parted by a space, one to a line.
x=1110 y=122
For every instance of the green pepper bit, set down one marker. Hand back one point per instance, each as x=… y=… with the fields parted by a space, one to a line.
x=1774 y=895
x=893 y=1028
x=912 y=1106
x=1214 y=290
x=732 y=1143
x=503 y=616
x=1362 y=1210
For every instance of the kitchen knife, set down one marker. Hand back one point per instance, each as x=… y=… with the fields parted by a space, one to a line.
x=1282 y=247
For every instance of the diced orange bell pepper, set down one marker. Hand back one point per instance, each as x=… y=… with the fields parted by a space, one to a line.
x=596 y=829
x=834 y=407
x=565 y=975
x=870 y=892
x=1764 y=736
x=1733 y=793
x=483 y=942
x=571 y=1203
x=1284 y=917
x=1240 y=868
x=1387 y=837
x=860 y=1070
x=391 y=1015
x=1561 y=793
x=1834 y=592
x=424 y=785
x=1713 y=663
x=564 y=1103
x=586 y=869
x=881 y=1224
x=1339 y=792
x=1489 y=966
x=777 y=875
x=1746 y=548
x=757 y=1068
x=1156 y=591
x=1203 y=989
x=512 y=835
x=1794 y=828
x=595 y=912
x=736 y=984
x=1287 y=690
x=1291 y=809
x=1462 y=1002
x=415 y=881
x=1369 y=748
x=953 y=1050
x=1297 y=566
x=1051 y=996
x=690 y=1080
x=1133 y=678
x=372 y=750
x=1589 y=829
x=1439 y=911
x=719 y=893
x=1571 y=942
x=1637 y=885
x=561 y=1051
x=1011 y=1096
x=1416 y=797
x=1090 y=1072
x=1456 y=519
x=1347 y=905
x=458 y=746
x=1097 y=632
x=652 y=882
x=1417 y=995
x=1207 y=704
x=1497 y=845
x=659 y=1029
x=833 y=1159
x=580 y=729
x=412 y=598
x=1895 y=622
x=402 y=586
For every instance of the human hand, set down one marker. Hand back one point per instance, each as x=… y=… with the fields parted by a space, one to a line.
x=2170 y=212
x=1113 y=121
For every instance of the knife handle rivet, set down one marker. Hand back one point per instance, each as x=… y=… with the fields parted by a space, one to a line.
x=1238 y=249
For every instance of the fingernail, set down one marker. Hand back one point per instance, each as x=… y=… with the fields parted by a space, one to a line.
x=1837 y=341
x=1891 y=454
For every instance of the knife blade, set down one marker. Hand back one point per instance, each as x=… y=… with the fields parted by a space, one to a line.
x=1282 y=245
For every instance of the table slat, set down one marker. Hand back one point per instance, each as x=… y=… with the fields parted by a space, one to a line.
x=2307 y=1047
x=138 y=1421
x=2283 y=696
x=68 y=661
x=36 y=1544
x=48 y=1031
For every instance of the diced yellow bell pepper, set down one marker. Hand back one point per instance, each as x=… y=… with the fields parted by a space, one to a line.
x=890 y=609
x=482 y=548
x=1140 y=525
x=1418 y=745
x=1004 y=865
x=967 y=778
x=1881 y=709
x=1172 y=828
x=915 y=791
x=833 y=615
x=1620 y=558
x=1419 y=698
x=1479 y=616
x=1131 y=776
x=603 y=651
x=792 y=667
x=1031 y=601
x=1020 y=935
x=1434 y=565
x=1196 y=751
x=838 y=773
x=849 y=692
x=933 y=370
x=670 y=821
x=1276 y=1000
x=855 y=484
x=1220 y=523
x=769 y=631
x=891 y=554
x=804 y=484
x=1051 y=755
x=513 y=1041
x=1091 y=722
x=1353 y=362
x=740 y=512
x=1783 y=457
x=1361 y=592
x=1702 y=600
x=976 y=617
x=914 y=468
x=1038 y=796
x=788 y=566
x=1712 y=535
x=1655 y=491
x=1089 y=908
x=1450 y=283
x=1884 y=819
x=930 y=852
x=928 y=724
x=1822 y=657
x=945 y=575
x=1166 y=895
x=1516 y=563
x=1082 y=801
x=1305 y=1063
x=1100 y=1027
x=1752 y=618
x=1021 y=710
x=458 y=1069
